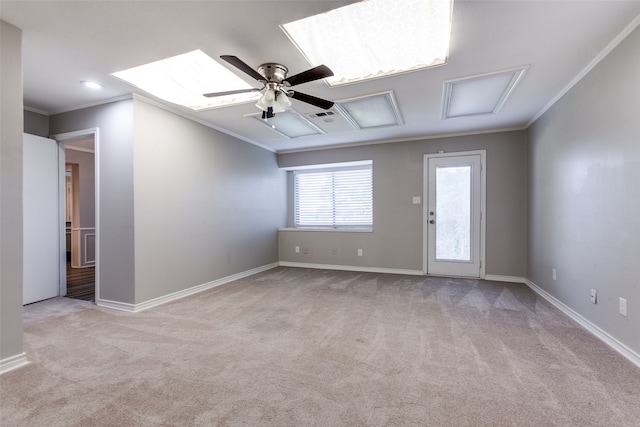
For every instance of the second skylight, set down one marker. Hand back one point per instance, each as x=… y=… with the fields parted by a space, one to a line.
x=375 y=38
x=184 y=78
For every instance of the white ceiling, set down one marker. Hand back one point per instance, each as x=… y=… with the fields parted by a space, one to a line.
x=65 y=42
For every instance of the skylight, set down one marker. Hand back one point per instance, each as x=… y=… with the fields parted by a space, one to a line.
x=184 y=78
x=375 y=38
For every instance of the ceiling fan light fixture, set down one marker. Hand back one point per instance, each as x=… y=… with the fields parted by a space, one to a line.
x=274 y=99
x=282 y=102
x=266 y=100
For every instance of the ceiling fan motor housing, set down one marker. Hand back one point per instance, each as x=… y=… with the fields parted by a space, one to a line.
x=272 y=72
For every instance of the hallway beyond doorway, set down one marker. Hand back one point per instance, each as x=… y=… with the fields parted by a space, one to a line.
x=81 y=283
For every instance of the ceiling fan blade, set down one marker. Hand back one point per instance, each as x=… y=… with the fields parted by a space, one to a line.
x=316 y=73
x=318 y=102
x=237 y=62
x=230 y=92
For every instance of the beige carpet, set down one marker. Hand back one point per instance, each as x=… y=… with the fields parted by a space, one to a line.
x=299 y=347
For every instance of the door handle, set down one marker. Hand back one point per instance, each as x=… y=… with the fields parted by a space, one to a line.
x=432 y=222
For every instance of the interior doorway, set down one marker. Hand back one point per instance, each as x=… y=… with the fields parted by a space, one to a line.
x=80 y=219
x=453 y=217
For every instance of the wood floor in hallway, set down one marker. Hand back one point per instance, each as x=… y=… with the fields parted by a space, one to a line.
x=81 y=283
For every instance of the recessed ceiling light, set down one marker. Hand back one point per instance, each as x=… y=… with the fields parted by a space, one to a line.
x=92 y=85
x=182 y=80
x=480 y=94
x=290 y=124
x=372 y=111
x=375 y=38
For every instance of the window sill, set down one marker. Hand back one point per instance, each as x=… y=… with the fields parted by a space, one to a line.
x=333 y=230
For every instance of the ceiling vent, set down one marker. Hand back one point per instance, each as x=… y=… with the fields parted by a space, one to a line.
x=480 y=94
x=331 y=121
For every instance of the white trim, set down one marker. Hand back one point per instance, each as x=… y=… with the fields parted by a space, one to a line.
x=202 y=122
x=352 y=268
x=408 y=139
x=347 y=164
x=135 y=308
x=86 y=244
x=35 y=110
x=84 y=150
x=501 y=278
x=116 y=305
x=337 y=230
x=95 y=132
x=91 y=104
x=612 y=342
x=13 y=362
x=590 y=66
x=62 y=208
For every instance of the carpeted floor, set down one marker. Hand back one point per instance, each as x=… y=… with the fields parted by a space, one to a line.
x=300 y=347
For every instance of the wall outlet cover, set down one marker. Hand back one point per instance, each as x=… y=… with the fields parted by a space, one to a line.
x=623 y=306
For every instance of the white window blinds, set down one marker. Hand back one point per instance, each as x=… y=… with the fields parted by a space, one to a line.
x=334 y=198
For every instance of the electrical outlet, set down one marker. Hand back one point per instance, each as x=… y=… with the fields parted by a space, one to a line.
x=416 y=200
x=553 y=274
x=297 y=249
x=305 y=251
x=594 y=296
x=359 y=252
x=623 y=306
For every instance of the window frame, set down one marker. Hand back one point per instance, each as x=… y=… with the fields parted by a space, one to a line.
x=332 y=169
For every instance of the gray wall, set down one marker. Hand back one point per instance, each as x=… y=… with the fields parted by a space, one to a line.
x=396 y=241
x=36 y=124
x=584 y=195
x=11 y=129
x=114 y=149
x=207 y=205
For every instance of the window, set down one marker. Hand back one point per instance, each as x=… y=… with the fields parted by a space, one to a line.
x=334 y=198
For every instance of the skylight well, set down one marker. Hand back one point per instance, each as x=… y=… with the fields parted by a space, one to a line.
x=184 y=78
x=375 y=38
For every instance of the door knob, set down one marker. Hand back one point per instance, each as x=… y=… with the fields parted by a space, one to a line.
x=432 y=222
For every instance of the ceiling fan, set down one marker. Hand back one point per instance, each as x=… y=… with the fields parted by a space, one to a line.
x=275 y=92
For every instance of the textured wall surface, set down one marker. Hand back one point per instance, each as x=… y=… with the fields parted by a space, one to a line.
x=584 y=195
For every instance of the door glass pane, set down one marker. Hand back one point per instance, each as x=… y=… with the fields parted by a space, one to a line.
x=453 y=213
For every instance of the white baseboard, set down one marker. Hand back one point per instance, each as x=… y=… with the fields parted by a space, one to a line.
x=134 y=308
x=595 y=330
x=116 y=305
x=352 y=268
x=13 y=362
x=500 y=278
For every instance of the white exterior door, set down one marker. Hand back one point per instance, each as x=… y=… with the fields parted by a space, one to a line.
x=42 y=223
x=453 y=215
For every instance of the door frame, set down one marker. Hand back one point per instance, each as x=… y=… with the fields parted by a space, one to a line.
x=61 y=138
x=483 y=205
